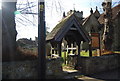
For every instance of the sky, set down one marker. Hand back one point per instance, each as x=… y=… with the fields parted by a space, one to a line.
x=53 y=14
x=0 y=5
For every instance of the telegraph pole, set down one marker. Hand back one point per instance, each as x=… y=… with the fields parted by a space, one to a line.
x=41 y=40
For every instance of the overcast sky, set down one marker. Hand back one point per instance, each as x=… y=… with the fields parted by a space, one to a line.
x=53 y=14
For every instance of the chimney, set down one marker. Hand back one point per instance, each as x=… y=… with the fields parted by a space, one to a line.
x=96 y=7
x=64 y=15
x=91 y=11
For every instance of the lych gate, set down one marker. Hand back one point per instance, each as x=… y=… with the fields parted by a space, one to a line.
x=68 y=29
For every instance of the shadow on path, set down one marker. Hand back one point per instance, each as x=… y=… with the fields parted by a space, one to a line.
x=107 y=75
x=112 y=75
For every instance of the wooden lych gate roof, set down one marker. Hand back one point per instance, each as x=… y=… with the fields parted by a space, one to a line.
x=62 y=28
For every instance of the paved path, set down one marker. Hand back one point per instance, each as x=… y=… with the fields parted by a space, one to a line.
x=113 y=74
x=103 y=76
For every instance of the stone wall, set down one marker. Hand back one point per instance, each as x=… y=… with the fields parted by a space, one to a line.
x=116 y=25
x=28 y=69
x=90 y=65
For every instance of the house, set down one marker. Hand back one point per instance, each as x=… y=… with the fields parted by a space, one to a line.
x=91 y=25
x=95 y=24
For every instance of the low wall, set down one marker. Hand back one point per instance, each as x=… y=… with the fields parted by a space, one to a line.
x=28 y=69
x=90 y=65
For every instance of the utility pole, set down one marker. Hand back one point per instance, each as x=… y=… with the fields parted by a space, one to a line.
x=108 y=28
x=41 y=40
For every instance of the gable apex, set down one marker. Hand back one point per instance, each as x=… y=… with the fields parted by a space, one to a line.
x=64 y=26
x=97 y=13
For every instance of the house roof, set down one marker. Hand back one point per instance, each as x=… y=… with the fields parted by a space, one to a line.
x=96 y=14
x=92 y=22
x=117 y=15
x=115 y=11
x=64 y=26
x=56 y=29
x=86 y=19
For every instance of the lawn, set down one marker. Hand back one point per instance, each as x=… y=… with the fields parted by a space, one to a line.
x=117 y=52
x=82 y=53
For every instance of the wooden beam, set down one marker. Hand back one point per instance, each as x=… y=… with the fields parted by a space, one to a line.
x=100 y=44
x=90 y=47
x=73 y=29
x=78 y=57
x=90 y=50
x=41 y=41
x=72 y=47
x=59 y=48
x=65 y=56
x=79 y=50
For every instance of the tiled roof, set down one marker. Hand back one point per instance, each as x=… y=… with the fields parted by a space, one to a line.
x=56 y=29
x=86 y=19
x=96 y=14
x=61 y=26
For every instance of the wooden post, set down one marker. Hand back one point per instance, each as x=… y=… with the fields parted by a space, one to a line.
x=100 y=44
x=79 y=50
x=59 y=49
x=67 y=48
x=41 y=40
x=90 y=50
x=51 y=52
x=65 y=57
x=72 y=48
x=54 y=50
x=78 y=57
x=81 y=45
x=90 y=46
